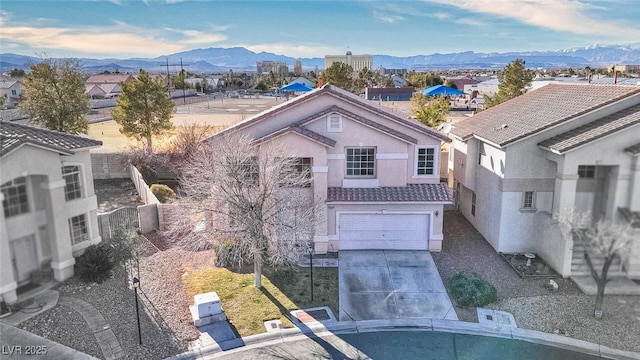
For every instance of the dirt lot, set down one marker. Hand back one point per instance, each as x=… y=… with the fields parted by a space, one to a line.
x=219 y=113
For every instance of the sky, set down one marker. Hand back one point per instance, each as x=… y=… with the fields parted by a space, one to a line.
x=310 y=28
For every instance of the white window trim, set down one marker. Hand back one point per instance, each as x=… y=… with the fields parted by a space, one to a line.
x=334 y=130
x=436 y=163
x=533 y=202
x=375 y=163
x=87 y=223
x=83 y=180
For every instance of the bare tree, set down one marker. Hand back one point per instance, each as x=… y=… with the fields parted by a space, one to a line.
x=601 y=238
x=247 y=200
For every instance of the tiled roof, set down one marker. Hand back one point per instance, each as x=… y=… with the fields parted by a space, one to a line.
x=340 y=94
x=108 y=78
x=632 y=217
x=633 y=149
x=594 y=130
x=538 y=110
x=12 y=135
x=409 y=193
x=361 y=120
x=312 y=135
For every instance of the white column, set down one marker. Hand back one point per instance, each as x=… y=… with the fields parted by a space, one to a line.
x=8 y=284
x=320 y=238
x=564 y=193
x=615 y=192
x=58 y=226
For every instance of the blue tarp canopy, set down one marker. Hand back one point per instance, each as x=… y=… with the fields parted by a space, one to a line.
x=438 y=90
x=295 y=87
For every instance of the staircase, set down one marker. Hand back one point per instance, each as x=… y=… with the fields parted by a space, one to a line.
x=579 y=265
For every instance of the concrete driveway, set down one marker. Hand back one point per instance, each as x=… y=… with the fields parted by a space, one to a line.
x=391 y=284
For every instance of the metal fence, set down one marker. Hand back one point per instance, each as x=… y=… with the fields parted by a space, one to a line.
x=125 y=217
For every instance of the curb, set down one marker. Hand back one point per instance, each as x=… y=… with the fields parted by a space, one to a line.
x=426 y=325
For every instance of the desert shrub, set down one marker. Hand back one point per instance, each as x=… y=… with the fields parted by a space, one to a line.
x=162 y=192
x=468 y=289
x=225 y=252
x=96 y=263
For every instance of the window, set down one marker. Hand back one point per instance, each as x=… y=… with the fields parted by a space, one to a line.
x=473 y=204
x=587 y=171
x=528 y=200
x=300 y=167
x=361 y=162
x=15 y=200
x=481 y=152
x=334 y=123
x=73 y=185
x=426 y=163
x=14 y=92
x=78 y=229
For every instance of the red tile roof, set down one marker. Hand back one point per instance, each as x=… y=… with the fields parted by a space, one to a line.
x=538 y=110
x=409 y=193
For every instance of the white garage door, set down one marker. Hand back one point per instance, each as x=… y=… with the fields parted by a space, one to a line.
x=384 y=231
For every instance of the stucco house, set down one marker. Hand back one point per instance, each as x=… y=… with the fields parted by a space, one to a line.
x=374 y=174
x=556 y=149
x=11 y=90
x=49 y=204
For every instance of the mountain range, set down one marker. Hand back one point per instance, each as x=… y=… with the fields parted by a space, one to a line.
x=217 y=60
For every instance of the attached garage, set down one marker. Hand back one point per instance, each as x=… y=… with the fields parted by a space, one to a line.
x=361 y=231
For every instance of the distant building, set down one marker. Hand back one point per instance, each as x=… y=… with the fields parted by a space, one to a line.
x=304 y=81
x=357 y=62
x=297 y=67
x=386 y=71
x=389 y=94
x=461 y=81
x=626 y=69
x=276 y=67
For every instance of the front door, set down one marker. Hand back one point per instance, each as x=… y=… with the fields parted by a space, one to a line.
x=25 y=258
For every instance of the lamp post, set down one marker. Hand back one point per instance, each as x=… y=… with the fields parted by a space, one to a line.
x=311 y=269
x=136 y=284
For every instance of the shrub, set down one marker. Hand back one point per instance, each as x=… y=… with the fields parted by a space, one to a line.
x=162 y=192
x=96 y=263
x=225 y=252
x=468 y=289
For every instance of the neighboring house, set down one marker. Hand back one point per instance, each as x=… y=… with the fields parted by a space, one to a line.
x=49 y=204
x=101 y=86
x=462 y=81
x=556 y=149
x=389 y=94
x=11 y=90
x=304 y=81
x=376 y=175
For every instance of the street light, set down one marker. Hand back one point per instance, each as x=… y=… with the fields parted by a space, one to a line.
x=311 y=268
x=136 y=284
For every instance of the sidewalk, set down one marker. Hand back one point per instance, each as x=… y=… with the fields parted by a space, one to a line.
x=20 y=344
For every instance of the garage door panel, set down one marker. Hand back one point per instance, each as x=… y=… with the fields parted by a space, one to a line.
x=384 y=231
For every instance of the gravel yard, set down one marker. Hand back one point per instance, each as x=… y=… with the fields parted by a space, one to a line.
x=566 y=311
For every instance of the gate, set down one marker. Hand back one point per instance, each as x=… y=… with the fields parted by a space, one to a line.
x=125 y=217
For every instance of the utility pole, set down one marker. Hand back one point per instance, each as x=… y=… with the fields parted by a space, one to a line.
x=169 y=79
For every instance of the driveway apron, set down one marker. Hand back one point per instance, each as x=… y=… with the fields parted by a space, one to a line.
x=391 y=284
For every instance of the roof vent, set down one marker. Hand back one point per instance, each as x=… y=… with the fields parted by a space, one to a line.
x=503 y=126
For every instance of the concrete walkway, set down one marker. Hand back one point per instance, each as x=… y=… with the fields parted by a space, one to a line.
x=20 y=344
x=107 y=340
x=391 y=284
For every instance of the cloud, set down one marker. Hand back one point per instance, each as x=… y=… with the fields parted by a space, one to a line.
x=441 y=16
x=559 y=15
x=120 y=39
x=389 y=18
x=469 y=21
